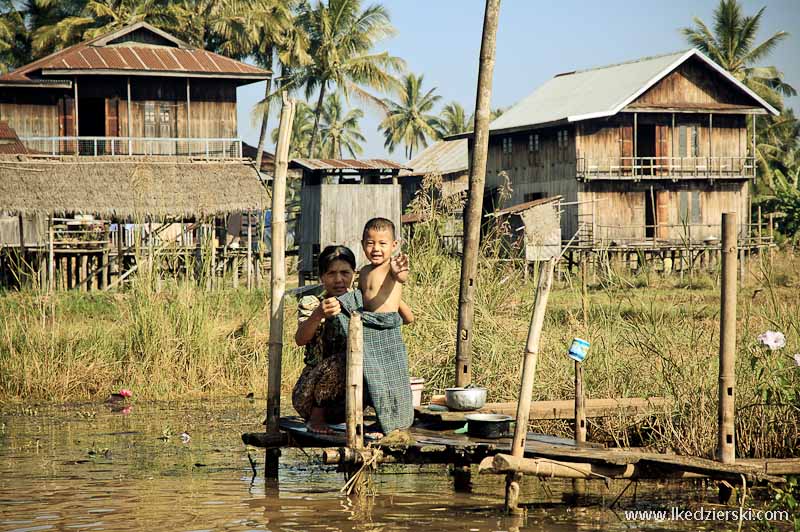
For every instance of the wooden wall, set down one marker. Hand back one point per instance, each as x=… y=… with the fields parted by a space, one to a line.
x=608 y=138
x=31 y=114
x=694 y=83
x=618 y=209
x=336 y=214
x=548 y=171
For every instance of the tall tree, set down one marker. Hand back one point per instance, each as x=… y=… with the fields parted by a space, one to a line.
x=302 y=125
x=409 y=121
x=339 y=131
x=454 y=120
x=342 y=37
x=94 y=18
x=732 y=45
x=14 y=38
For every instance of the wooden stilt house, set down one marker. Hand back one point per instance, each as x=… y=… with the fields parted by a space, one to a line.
x=338 y=197
x=134 y=128
x=647 y=152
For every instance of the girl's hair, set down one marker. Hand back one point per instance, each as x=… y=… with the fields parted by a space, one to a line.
x=332 y=253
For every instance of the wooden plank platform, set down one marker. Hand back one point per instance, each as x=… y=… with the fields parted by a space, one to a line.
x=541 y=410
x=445 y=447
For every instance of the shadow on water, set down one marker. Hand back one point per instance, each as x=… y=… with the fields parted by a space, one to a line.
x=182 y=466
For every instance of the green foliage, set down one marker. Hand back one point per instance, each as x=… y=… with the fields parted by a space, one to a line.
x=785 y=203
x=409 y=121
x=339 y=130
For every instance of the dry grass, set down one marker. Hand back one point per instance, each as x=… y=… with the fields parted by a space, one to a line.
x=650 y=335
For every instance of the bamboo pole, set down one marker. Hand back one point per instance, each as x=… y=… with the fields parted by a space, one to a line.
x=354 y=411
x=546 y=468
x=51 y=260
x=580 y=405
x=477 y=179
x=528 y=373
x=726 y=449
x=249 y=253
x=278 y=280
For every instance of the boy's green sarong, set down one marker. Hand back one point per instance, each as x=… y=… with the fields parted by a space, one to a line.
x=385 y=363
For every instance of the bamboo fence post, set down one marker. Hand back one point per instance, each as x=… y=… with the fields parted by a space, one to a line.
x=528 y=373
x=584 y=291
x=354 y=411
x=477 y=179
x=580 y=405
x=51 y=260
x=278 y=280
x=726 y=448
x=249 y=253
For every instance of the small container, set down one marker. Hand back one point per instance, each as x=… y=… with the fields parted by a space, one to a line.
x=488 y=425
x=465 y=398
x=578 y=350
x=417 y=385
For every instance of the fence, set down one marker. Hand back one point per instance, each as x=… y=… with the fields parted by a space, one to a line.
x=93 y=146
x=665 y=167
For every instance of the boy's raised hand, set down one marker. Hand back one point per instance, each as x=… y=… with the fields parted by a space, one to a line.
x=400 y=267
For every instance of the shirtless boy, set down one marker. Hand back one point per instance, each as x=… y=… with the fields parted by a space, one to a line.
x=381 y=282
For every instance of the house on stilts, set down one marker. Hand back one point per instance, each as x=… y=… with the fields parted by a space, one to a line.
x=121 y=147
x=646 y=154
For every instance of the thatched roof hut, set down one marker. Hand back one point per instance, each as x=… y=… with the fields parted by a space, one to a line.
x=122 y=187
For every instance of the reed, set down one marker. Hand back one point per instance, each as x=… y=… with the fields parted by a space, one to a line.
x=651 y=336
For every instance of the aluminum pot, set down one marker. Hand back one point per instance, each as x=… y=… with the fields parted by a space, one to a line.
x=465 y=398
x=488 y=425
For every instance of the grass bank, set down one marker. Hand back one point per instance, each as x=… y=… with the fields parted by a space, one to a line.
x=650 y=335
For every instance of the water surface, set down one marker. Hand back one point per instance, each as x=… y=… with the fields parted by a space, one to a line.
x=104 y=467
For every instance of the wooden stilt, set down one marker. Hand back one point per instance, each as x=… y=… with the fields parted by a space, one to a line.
x=528 y=373
x=51 y=260
x=83 y=272
x=249 y=254
x=580 y=405
x=278 y=280
x=354 y=410
x=726 y=448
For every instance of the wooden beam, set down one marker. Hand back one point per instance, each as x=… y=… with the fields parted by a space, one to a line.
x=542 y=410
x=130 y=122
x=477 y=180
x=726 y=448
x=188 y=114
x=77 y=129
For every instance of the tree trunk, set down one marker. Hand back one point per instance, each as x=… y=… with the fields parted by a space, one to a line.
x=477 y=178
x=314 y=131
x=262 y=137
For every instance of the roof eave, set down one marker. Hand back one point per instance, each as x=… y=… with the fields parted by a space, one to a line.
x=21 y=83
x=155 y=73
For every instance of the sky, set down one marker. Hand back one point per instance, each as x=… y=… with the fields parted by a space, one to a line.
x=537 y=39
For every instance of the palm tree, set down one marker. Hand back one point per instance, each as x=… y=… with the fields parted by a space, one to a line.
x=95 y=18
x=301 y=131
x=454 y=120
x=339 y=131
x=341 y=39
x=409 y=121
x=732 y=46
x=14 y=41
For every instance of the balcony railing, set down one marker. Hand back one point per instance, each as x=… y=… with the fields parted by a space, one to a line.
x=94 y=146
x=666 y=167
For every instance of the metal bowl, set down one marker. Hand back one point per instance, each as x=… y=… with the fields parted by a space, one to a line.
x=465 y=398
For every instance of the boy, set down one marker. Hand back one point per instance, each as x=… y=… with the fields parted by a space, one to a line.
x=381 y=282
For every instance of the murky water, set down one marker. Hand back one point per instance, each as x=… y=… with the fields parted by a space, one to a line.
x=88 y=467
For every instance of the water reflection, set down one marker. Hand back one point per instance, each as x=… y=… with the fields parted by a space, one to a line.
x=87 y=467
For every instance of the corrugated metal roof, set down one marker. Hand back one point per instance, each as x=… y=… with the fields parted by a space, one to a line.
x=9 y=142
x=600 y=92
x=514 y=209
x=99 y=57
x=346 y=164
x=443 y=157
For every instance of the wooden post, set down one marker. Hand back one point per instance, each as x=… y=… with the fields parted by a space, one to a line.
x=249 y=253
x=726 y=449
x=635 y=146
x=84 y=273
x=278 y=279
x=477 y=179
x=584 y=290
x=354 y=411
x=580 y=405
x=130 y=121
x=77 y=129
x=51 y=259
x=188 y=116
x=528 y=373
